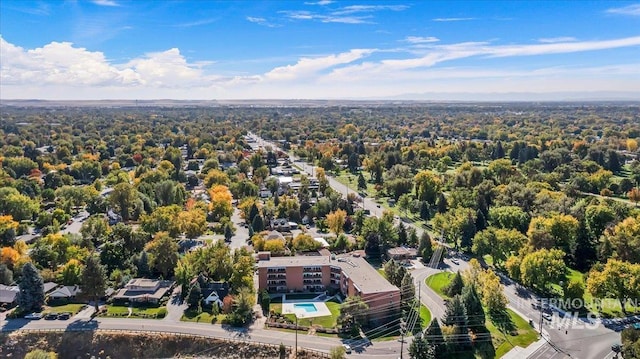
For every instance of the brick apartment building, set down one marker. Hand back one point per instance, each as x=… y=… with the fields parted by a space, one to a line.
x=351 y=276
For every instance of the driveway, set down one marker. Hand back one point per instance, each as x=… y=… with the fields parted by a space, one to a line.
x=175 y=306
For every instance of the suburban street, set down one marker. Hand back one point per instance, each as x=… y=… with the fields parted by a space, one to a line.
x=578 y=341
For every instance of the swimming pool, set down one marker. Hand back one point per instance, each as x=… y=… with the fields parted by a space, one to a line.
x=307 y=307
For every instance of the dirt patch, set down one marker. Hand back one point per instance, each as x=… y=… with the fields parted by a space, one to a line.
x=98 y=344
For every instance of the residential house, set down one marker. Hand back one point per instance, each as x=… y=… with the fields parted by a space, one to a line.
x=402 y=253
x=214 y=293
x=142 y=290
x=8 y=295
x=67 y=292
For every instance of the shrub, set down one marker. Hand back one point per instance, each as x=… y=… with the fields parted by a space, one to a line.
x=162 y=312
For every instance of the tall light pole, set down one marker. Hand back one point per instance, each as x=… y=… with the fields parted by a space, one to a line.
x=296 y=348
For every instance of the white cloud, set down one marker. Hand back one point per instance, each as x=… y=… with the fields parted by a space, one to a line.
x=320 y=2
x=420 y=39
x=352 y=9
x=105 y=2
x=196 y=23
x=451 y=19
x=60 y=70
x=631 y=10
x=260 y=21
x=551 y=40
x=308 y=66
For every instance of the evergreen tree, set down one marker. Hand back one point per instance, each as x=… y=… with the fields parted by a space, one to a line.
x=434 y=336
x=421 y=349
x=481 y=221
x=402 y=234
x=143 y=265
x=257 y=223
x=456 y=315
x=253 y=212
x=228 y=232
x=6 y=275
x=442 y=203
x=265 y=301
x=473 y=306
x=424 y=210
x=425 y=247
x=94 y=279
x=407 y=292
x=455 y=287
x=31 y=295
x=195 y=296
x=362 y=183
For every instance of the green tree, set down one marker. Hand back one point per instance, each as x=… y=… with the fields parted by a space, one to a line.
x=456 y=316
x=495 y=301
x=425 y=247
x=31 y=286
x=353 y=314
x=625 y=239
x=6 y=275
x=195 y=296
x=509 y=217
x=94 y=279
x=407 y=292
x=265 y=301
x=618 y=280
x=428 y=185
x=473 y=306
x=164 y=253
x=421 y=349
x=433 y=334
x=541 y=268
x=362 y=183
x=124 y=198
x=499 y=243
x=455 y=287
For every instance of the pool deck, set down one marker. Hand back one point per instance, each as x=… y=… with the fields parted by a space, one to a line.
x=289 y=308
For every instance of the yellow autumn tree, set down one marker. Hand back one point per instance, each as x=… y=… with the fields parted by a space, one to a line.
x=220 y=205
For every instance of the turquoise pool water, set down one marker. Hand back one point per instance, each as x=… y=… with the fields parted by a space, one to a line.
x=307 y=307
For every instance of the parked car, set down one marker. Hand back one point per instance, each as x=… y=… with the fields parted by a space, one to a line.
x=547 y=316
x=347 y=348
x=34 y=316
x=455 y=261
x=64 y=316
x=51 y=316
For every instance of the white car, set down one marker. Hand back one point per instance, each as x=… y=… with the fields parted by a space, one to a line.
x=347 y=348
x=35 y=316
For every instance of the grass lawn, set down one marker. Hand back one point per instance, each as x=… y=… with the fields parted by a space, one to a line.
x=610 y=307
x=425 y=315
x=439 y=281
x=202 y=317
x=328 y=321
x=123 y=311
x=72 y=308
x=526 y=335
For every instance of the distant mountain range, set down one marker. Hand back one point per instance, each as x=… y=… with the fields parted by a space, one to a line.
x=412 y=98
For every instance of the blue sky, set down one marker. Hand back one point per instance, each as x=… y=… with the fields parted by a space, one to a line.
x=315 y=49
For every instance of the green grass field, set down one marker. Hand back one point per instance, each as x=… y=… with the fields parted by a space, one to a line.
x=525 y=335
x=123 y=311
x=71 y=308
x=439 y=281
x=425 y=315
x=202 y=317
x=328 y=321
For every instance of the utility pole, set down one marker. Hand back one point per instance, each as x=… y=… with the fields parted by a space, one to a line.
x=403 y=327
x=296 y=347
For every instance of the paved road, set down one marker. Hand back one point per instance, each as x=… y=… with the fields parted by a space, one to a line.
x=76 y=223
x=241 y=234
x=381 y=350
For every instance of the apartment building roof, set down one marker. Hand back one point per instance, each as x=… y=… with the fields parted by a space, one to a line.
x=362 y=274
